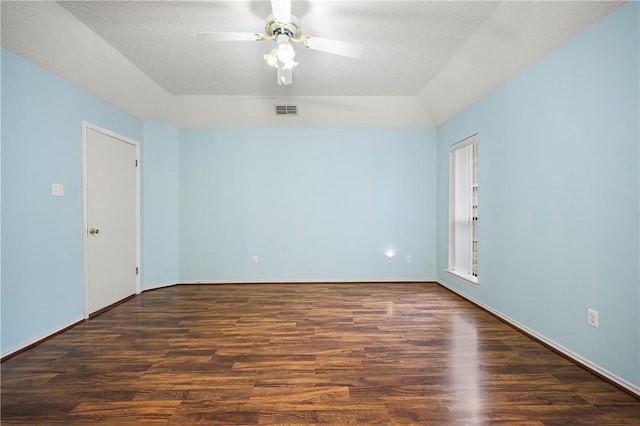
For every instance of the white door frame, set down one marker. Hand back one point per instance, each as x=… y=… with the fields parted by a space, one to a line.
x=85 y=232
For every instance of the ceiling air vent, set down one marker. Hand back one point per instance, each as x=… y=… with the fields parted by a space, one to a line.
x=286 y=110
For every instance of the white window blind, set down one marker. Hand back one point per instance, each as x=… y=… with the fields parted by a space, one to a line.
x=463 y=209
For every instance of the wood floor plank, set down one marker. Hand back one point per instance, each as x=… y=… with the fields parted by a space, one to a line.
x=395 y=354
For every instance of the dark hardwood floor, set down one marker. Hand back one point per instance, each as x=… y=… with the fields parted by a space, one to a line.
x=303 y=353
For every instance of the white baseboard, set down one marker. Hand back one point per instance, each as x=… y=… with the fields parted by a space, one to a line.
x=304 y=281
x=567 y=352
x=157 y=286
x=41 y=337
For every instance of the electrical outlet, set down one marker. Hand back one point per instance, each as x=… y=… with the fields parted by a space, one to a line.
x=254 y=259
x=57 y=190
x=409 y=259
x=592 y=318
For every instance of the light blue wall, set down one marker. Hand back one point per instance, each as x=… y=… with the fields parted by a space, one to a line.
x=0 y=199
x=159 y=205
x=42 y=235
x=312 y=204
x=559 y=195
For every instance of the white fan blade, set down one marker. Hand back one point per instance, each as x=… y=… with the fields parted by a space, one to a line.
x=219 y=36
x=281 y=10
x=352 y=50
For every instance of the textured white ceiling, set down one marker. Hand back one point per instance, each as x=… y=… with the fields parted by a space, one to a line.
x=442 y=54
x=405 y=44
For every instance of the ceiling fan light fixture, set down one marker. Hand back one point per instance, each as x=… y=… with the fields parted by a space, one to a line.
x=282 y=56
x=285 y=51
x=288 y=65
x=271 y=58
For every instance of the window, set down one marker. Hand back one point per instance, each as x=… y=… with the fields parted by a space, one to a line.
x=463 y=209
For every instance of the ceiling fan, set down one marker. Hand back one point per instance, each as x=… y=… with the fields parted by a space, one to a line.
x=284 y=28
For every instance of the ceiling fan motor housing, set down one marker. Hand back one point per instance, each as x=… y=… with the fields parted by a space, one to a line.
x=290 y=29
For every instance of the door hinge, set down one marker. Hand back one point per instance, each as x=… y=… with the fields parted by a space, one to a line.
x=136 y=163
x=137 y=270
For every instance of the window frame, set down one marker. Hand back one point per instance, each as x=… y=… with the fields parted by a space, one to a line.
x=472 y=277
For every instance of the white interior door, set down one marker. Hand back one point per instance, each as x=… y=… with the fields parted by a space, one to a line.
x=111 y=218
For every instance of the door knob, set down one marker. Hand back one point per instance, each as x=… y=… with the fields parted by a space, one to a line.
x=93 y=231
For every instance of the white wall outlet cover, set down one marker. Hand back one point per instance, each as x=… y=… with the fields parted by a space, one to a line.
x=409 y=259
x=592 y=318
x=57 y=189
